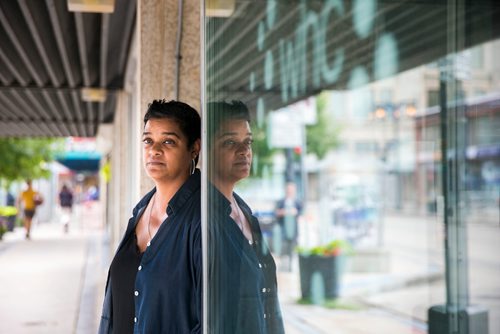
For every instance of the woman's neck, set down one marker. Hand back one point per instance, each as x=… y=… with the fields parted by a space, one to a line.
x=166 y=190
x=226 y=188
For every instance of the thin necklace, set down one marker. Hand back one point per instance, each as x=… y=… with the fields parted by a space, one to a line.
x=240 y=222
x=149 y=218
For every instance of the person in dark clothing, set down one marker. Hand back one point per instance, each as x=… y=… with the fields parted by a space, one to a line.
x=155 y=279
x=66 y=203
x=10 y=199
x=242 y=285
x=288 y=211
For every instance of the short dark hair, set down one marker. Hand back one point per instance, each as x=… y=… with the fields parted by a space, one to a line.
x=183 y=114
x=221 y=111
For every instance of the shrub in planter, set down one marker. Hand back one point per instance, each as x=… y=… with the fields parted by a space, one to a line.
x=320 y=270
x=3 y=228
x=9 y=214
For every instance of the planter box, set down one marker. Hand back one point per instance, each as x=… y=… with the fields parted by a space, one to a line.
x=9 y=222
x=327 y=268
x=8 y=214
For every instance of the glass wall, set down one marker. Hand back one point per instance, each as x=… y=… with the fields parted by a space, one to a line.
x=353 y=153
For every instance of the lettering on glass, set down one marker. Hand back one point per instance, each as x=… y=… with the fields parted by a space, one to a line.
x=311 y=36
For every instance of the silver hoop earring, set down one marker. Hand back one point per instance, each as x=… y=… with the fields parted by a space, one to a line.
x=193 y=167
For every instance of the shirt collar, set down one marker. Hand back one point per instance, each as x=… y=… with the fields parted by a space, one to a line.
x=219 y=202
x=222 y=204
x=184 y=193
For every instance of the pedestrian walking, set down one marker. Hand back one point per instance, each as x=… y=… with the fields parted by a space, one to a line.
x=66 y=204
x=28 y=201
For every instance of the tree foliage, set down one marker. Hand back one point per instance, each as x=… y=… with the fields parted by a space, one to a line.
x=262 y=153
x=320 y=138
x=23 y=158
x=324 y=135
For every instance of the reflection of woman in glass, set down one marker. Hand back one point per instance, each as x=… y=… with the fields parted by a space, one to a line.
x=154 y=282
x=242 y=291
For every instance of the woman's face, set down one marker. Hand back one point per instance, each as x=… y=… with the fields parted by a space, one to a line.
x=232 y=151
x=165 y=150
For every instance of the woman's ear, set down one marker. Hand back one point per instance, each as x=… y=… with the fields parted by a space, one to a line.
x=195 y=151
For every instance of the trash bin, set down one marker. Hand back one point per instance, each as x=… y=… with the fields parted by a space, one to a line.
x=329 y=269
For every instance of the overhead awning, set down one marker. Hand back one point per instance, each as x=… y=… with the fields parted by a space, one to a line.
x=80 y=161
x=60 y=71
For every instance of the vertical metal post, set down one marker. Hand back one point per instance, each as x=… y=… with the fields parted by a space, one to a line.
x=454 y=165
x=290 y=166
x=204 y=170
x=457 y=316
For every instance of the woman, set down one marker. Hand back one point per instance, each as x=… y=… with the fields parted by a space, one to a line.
x=154 y=281
x=242 y=291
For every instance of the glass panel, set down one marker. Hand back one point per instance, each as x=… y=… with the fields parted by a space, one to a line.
x=373 y=194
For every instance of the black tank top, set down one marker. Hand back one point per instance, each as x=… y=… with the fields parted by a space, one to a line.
x=123 y=270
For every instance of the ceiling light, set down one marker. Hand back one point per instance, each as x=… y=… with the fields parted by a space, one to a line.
x=93 y=94
x=91 y=6
x=219 y=8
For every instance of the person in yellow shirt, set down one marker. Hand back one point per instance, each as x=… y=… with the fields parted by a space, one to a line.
x=29 y=199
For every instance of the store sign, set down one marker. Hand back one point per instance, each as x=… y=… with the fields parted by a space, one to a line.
x=287 y=125
x=293 y=52
x=285 y=129
x=308 y=59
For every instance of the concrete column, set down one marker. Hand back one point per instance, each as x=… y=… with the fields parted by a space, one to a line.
x=119 y=153
x=158 y=30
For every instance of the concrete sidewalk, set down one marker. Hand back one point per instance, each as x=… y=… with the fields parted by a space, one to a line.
x=394 y=300
x=45 y=285
x=54 y=284
x=355 y=313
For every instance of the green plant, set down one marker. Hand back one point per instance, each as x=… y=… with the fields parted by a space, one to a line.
x=334 y=248
x=3 y=229
x=7 y=211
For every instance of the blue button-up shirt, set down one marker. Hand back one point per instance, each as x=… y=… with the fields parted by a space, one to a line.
x=168 y=284
x=242 y=286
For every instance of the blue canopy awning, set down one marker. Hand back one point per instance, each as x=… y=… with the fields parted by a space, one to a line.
x=80 y=161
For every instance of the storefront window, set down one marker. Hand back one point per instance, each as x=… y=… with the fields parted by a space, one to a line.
x=372 y=200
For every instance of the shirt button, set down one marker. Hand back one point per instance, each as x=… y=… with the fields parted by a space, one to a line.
x=268 y=289
x=260 y=265
x=265 y=316
x=140 y=268
x=136 y=293
x=135 y=319
x=264 y=290
x=148 y=244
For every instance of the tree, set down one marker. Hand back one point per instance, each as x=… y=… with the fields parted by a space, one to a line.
x=26 y=158
x=262 y=153
x=320 y=138
x=324 y=135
